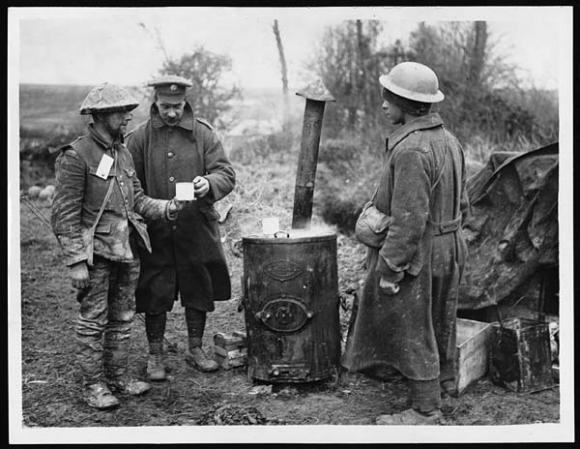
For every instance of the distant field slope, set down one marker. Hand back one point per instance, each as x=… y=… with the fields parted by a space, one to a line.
x=53 y=109
x=49 y=108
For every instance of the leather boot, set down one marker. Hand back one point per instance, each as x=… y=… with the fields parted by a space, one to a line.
x=129 y=386
x=410 y=417
x=449 y=388
x=155 y=330
x=197 y=358
x=99 y=396
x=155 y=364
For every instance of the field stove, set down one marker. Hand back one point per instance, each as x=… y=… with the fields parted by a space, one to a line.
x=290 y=281
x=291 y=307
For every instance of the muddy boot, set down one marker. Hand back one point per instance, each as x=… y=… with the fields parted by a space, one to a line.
x=449 y=388
x=410 y=417
x=155 y=364
x=196 y=357
x=116 y=354
x=130 y=386
x=89 y=338
x=424 y=395
x=155 y=330
x=99 y=396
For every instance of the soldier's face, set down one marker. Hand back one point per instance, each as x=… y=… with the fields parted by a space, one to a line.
x=393 y=113
x=170 y=113
x=116 y=122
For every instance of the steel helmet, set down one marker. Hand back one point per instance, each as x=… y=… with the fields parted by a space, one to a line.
x=108 y=98
x=413 y=81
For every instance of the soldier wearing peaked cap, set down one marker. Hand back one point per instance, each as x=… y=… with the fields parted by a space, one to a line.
x=187 y=261
x=97 y=217
x=407 y=312
x=170 y=88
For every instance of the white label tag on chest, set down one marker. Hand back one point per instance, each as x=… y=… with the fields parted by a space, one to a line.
x=105 y=166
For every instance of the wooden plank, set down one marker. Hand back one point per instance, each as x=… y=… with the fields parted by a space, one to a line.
x=473 y=344
x=231 y=353
x=228 y=363
x=230 y=340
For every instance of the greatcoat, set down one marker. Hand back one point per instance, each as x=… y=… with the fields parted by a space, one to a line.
x=187 y=260
x=422 y=190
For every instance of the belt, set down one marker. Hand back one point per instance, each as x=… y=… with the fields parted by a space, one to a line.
x=445 y=227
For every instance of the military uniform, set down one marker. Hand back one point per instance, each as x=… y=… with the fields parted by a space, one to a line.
x=414 y=330
x=187 y=256
x=187 y=261
x=107 y=305
x=406 y=317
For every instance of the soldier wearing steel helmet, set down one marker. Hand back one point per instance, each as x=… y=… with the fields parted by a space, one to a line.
x=187 y=262
x=407 y=313
x=97 y=217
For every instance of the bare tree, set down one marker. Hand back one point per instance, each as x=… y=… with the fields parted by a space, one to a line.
x=349 y=61
x=284 y=72
x=156 y=36
x=483 y=96
x=209 y=96
x=475 y=62
x=478 y=54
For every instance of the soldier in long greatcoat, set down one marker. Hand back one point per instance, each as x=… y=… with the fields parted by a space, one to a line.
x=406 y=318
x=187 y=261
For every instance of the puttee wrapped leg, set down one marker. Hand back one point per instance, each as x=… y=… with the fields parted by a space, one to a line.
x=196 y=357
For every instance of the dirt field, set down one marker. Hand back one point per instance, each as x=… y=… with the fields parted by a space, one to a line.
x=50 y=377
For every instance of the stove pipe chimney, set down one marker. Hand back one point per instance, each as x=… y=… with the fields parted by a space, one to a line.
x=316 y=96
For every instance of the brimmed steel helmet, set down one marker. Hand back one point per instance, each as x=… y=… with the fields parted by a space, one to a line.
x=413 y=81
x=108 y=98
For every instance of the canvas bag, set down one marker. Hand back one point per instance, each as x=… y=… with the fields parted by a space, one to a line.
x=372 y=225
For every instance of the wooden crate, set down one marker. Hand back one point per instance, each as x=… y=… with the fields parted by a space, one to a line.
x=230 y=349
x=521 y=358
x=473 y=346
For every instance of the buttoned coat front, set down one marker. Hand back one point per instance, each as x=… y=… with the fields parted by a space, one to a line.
x=187 y=260
x=422 y=190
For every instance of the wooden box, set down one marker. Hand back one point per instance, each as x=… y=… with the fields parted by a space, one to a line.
x=230 y=349
x=521 y=358
x=473 y=345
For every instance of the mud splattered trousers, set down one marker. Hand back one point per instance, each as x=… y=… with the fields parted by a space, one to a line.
x=103 y=327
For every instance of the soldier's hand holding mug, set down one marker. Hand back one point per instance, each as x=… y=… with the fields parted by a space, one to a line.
x=200 y=186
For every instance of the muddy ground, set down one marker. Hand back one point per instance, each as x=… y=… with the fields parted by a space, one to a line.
x=51 y=381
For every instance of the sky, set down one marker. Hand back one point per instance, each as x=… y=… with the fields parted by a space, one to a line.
x=94 y=45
